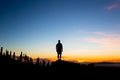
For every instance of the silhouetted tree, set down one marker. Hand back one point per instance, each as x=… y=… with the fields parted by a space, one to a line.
x=37 y=62
x=1 y=51
x=31 y=60
x=20 y=58
x=14 y=56
x=7 y=52
x=10 y=54
x=43 y=63
x=26 y=58
x=48 y=65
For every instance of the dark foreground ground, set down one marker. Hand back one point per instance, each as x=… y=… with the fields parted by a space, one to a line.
x=24 y=68
x=58 y=70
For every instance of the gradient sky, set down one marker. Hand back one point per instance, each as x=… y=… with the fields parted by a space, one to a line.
x=88 y=29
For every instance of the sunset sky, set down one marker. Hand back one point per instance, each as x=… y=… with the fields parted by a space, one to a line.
x=88 y=29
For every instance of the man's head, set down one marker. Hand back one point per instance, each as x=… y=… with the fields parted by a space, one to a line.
x=58 y=41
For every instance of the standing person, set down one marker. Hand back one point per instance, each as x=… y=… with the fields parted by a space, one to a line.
x=59 y=49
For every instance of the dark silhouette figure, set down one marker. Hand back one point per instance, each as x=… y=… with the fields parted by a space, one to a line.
x=59 y=49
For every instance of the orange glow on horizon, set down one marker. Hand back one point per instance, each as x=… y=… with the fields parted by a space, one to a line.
x=85 y=59
x=80 y=57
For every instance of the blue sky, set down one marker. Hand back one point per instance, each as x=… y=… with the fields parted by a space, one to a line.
x=85 y=27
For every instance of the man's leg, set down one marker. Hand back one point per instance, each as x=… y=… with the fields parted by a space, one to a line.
x=58 y=55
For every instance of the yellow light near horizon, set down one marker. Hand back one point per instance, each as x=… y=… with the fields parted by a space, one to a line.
x=80 y=60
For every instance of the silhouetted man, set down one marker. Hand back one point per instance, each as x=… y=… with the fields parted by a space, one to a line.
x=59 y=49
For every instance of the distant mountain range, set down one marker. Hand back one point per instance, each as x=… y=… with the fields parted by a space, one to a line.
x=106 y=64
